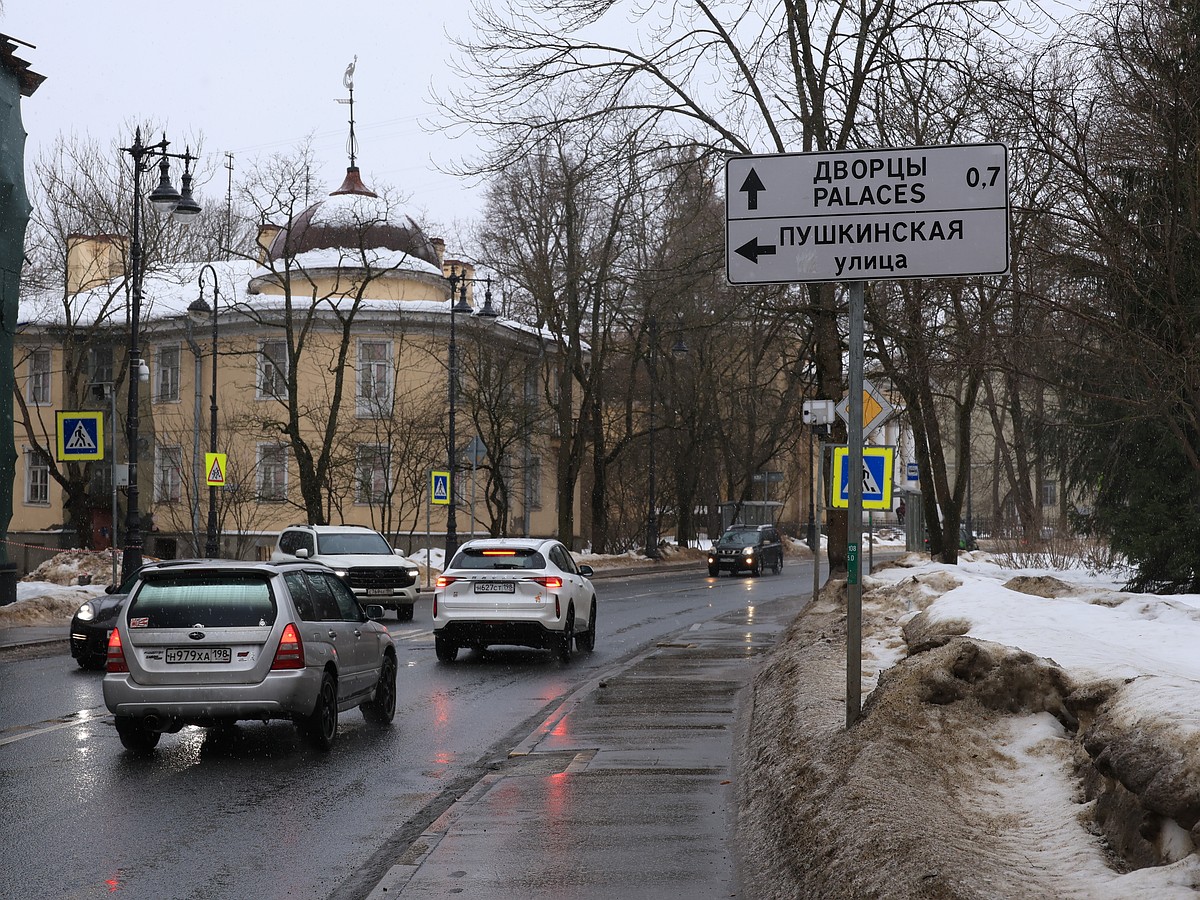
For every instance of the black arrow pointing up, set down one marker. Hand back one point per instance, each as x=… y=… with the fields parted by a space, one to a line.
x=752 y=186
x=752 y=250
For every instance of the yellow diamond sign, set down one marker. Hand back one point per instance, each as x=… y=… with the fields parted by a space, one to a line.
x=875 y=408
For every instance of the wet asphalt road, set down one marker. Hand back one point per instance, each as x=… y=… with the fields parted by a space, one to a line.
x=455 y=799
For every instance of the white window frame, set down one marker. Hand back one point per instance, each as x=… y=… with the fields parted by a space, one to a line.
x=374 y=382
x=37 y=478
x=272 y=472
x=270 y=381
x=40 y=387
x=168 y=475
x=1049 y=493
x=168 y=359
x=371 y=475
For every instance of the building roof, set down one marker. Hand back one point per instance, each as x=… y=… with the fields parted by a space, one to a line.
x=28 y=79
x=354 y=219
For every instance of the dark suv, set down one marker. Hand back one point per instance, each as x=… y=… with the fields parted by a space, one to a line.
x=747 y=548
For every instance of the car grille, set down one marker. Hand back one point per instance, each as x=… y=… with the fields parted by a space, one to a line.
x=374 y=577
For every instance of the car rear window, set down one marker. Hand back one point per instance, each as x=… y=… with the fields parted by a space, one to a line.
x=498 y=558
x=213 y=601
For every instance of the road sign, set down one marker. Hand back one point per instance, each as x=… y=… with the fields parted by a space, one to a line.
x=439 y=489
x=909 y=212
x=875 y=408
x=79 y=435
x=914 y=472
x=876 y=476
x=215 y=469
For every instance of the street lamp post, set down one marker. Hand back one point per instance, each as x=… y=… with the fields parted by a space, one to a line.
x=458 y=285
x=651 y=551
x=166 y=199
x=199 y=308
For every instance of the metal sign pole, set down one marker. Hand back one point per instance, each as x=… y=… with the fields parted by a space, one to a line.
x=820 y=517
x=854 y=486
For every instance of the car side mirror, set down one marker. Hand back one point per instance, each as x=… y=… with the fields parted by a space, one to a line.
x=301 y=553
x=586 y=571
x=374 y=612
x=111 y=589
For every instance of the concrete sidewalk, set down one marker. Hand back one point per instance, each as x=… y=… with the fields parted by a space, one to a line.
x=628 y=789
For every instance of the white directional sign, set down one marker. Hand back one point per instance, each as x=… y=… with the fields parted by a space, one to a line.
x=914 y=212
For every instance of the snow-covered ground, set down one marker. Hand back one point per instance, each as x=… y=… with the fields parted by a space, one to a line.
x=1025 y=733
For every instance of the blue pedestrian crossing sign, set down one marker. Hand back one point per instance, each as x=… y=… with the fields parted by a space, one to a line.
x=876 y=477
x=79 y=435
x=440 y=488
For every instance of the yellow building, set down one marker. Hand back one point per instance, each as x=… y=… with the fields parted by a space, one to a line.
x=332 y=391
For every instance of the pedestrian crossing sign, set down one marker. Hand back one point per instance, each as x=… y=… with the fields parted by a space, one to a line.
x=80 y=435
x=876 y=477
x=214 y=469
x=440 y=488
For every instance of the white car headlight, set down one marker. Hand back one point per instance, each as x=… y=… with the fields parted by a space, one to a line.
x=748 y=551
x=86 y=613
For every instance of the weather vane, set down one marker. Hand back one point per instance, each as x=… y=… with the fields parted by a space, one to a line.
x=348 y=83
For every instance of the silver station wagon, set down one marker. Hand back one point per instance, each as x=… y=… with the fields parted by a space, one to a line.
x=209 y=643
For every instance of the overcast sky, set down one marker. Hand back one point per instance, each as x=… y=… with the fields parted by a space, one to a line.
x=254 y=79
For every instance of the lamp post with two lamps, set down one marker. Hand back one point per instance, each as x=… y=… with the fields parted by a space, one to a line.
x=679 y=348
x=181 y=203
x=458 y=285
x=198 y=309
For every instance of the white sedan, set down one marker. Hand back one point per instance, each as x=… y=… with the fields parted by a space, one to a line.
x=524 y=591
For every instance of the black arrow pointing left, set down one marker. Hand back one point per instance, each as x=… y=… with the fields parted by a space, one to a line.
x=752 y=250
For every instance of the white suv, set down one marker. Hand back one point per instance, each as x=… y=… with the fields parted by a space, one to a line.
x=525 y=591
x=377 y=573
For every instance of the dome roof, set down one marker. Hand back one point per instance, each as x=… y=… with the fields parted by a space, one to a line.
x=353 y=218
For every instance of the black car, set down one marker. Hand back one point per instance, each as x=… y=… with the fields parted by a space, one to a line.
x=751 y=548
x=94 y=620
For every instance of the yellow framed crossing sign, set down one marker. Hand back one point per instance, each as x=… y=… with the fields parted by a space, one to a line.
x=876 y=477
x=439 y=487
x=79 y=435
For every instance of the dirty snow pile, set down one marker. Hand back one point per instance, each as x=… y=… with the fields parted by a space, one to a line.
x=1024 y=734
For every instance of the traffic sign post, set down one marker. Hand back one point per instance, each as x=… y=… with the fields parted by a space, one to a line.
x=439 y=488
x=909 y=212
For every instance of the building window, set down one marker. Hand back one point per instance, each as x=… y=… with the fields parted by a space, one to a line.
x=272 y=370
x=37 y=478
x=38 y=387
x=272 y=472
x=100 y=365
x=374 y=378
x=1049 y=493
x=168 y=475
x=166 y=374
x=535 y=483
x=370 y=474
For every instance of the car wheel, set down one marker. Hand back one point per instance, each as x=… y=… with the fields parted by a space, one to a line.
x=757 y=569
x=135 y=736
x=320 y=727
x=445 y=649
x=714 y=571
x=563 y=650
x=779 y=564
x=404 y=612
x=381 y=709
x=586 y=641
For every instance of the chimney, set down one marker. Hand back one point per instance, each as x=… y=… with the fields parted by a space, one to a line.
x=94 y=259
x=266 y=236
x=439 y=249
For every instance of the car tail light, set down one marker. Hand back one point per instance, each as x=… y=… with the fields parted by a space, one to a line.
x=550 y=581
x=116 y=654
x=445 y=580
x=290 y=654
